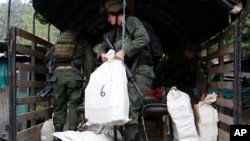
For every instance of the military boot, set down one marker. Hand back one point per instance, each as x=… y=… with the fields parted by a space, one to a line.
x=58 y=129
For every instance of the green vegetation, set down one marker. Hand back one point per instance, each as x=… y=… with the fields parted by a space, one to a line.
x=245 y=42
x=246 y=32
x=22 y=16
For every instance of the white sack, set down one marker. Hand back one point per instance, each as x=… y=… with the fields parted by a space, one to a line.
x=208 y=119
x=181 y=112
x=47 y=130
x=82 y=136
x=106 y=95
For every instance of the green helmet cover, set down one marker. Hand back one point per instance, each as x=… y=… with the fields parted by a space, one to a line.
x=113 y=6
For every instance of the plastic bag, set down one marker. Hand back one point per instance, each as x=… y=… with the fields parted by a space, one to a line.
x=47 y=130
x=106 y=95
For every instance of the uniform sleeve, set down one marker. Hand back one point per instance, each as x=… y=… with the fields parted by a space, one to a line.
x=139 y=34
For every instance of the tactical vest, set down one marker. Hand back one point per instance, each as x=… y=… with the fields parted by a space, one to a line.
x=65 y=47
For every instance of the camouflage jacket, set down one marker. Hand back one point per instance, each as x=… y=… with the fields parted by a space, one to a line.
x=176 y=70
x=135 y=40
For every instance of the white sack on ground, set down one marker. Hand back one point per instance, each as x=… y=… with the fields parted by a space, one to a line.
x=108 y=130
x=181 y=112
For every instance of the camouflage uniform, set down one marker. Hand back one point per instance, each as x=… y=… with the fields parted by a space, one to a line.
x=67 y=79
x=144 y=74
x=176 y=70
x=136 y=38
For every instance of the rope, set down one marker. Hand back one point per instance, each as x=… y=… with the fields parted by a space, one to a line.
x=144 y=127
x=123 y=24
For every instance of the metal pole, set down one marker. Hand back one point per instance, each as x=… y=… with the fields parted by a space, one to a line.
x=32 y=74
x=12 y=86
x=8 y=19
x=237 y=73
x=11 y=39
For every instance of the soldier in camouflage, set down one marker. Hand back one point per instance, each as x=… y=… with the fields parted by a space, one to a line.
x=183 y=69
x=136 y=38
x=68 y=77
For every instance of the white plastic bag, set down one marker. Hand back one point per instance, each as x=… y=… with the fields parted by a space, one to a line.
x=207 y=119
x=106 y=95
x=181 y=112
x=47 y=130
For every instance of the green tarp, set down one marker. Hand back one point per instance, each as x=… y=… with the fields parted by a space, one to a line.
x=3 y=72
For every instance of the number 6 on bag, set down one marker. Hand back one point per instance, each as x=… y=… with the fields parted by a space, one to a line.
x=106 y=95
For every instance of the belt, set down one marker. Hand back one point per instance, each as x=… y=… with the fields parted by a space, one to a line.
x=63 y=67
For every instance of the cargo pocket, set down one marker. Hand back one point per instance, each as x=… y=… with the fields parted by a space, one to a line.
x=79 y=81
x=76 y=82
x=146 y=71
x=144 y=77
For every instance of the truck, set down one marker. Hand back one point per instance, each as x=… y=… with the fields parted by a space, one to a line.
x=216 y=24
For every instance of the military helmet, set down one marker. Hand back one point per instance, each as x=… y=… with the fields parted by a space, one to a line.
x=194 y=46
x=112 y=6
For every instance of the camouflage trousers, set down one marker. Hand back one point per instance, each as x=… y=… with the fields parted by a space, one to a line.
x=67 y=84
x=144 y=78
